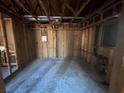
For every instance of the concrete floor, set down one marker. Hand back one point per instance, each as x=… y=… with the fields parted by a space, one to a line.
x=5 y=71
x=55 y=76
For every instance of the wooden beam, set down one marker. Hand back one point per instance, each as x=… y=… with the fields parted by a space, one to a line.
x=70 y=8
x=48 y=1
x=30 y=4
x=35 y=10
x=102 y=7
x=55 y=8
x=43 y=7
x=100 y=11
x=2 y=4
x=52 y=10
x=2 y=86
x=22 y=6
x=4 y=33
x=17 y=8
x=81 y=9
x=11 y=5
x=40 y=9
x=4 y=9
x=63 y=7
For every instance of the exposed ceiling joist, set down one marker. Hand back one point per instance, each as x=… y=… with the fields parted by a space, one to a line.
x=22 y=6
x=54 y=9
x=63 y=7
x=43 y=7
x=70 y=8
x=41 y=12
x=14 y=6
x=29 y=2
x=28 y=6
x=35 y=10
x=9 y=12
x=81 y=9
x=102 y=8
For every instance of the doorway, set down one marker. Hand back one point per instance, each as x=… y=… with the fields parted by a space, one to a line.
x=8 y=63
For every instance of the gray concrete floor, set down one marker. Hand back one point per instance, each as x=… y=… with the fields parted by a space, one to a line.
x=5 y=71
x=56 y=75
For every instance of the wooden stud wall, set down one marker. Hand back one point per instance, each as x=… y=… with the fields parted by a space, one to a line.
x=77 y=41
x=115 y=55
x=62 y=43
x=88 y=45
x=45 y=49
x=4 y=35
x=24 y=39
x=117 y=79
x=88 y=37
x=51 y=45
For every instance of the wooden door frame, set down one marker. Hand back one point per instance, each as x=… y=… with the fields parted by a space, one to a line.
x=4 y=33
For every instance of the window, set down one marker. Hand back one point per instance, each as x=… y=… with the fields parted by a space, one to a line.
x=44 y=38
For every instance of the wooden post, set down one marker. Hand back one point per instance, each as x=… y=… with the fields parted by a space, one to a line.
x=84 y=52
x=2 y=87
x=56 y=43
x=3 y=30
x=88 y=32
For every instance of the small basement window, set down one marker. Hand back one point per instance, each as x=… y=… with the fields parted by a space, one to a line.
x=44 y=38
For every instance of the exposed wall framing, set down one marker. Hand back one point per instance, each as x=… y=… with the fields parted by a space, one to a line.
x=24 y=42
x=60 y=43
x=117 y=79
x=103 y=15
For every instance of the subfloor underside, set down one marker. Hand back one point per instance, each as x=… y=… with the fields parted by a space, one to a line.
x=56 y=75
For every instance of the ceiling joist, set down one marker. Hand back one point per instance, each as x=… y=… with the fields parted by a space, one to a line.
x=22 y=6
x=81 y=9
x=43 y=7
x=70 y=8
x=62 y=8
x=9 y=12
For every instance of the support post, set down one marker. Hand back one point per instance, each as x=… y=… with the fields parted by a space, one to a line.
x=2 y=87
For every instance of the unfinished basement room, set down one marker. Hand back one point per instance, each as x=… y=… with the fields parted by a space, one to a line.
x=61 y=46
